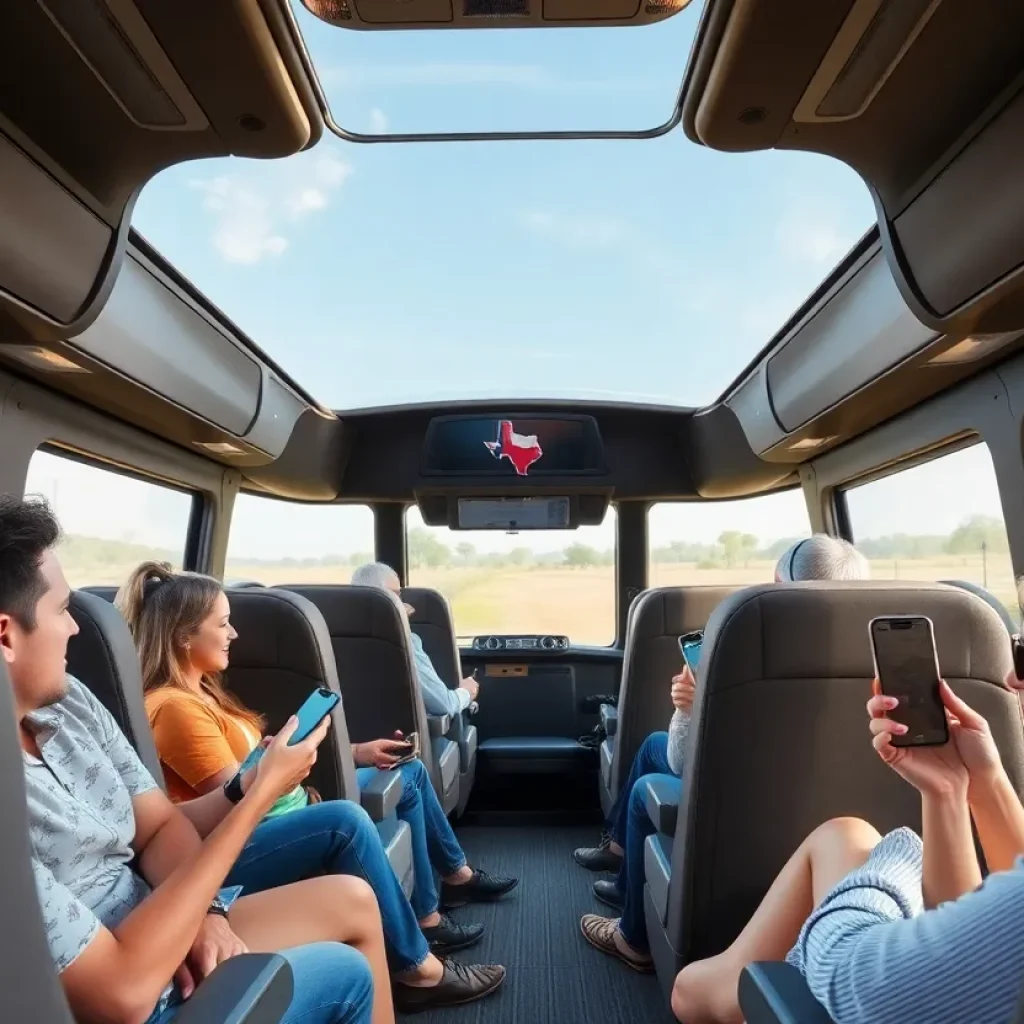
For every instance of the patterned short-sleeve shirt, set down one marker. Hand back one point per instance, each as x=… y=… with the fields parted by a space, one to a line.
x=81 y=821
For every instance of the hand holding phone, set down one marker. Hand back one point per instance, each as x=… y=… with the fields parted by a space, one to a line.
x=412 y=742
x=284 y=763
x=907 y=669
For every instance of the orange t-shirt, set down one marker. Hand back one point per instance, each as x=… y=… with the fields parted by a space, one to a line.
x=194 y=740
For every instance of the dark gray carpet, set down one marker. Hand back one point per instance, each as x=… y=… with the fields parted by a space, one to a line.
x=553 y=974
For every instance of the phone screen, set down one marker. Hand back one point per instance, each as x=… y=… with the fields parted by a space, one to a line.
x=690 y=645
x=413 y=739
x=907 y=667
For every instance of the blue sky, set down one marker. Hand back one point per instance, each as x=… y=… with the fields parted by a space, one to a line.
x=390 y=273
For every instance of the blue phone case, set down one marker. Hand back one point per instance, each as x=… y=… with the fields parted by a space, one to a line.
x=319 y=704
x=691 y=652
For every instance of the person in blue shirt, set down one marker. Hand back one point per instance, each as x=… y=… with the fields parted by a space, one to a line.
x=434 y=841
x=896 y=928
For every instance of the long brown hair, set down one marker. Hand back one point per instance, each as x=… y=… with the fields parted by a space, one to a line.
x=164 y=609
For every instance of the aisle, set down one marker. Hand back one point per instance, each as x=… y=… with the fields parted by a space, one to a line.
x=554 y=976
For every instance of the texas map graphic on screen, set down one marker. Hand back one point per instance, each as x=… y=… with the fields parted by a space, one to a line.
x=522 y=450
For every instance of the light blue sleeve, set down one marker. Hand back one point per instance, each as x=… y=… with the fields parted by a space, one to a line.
x=872 y=955
x=437 y=698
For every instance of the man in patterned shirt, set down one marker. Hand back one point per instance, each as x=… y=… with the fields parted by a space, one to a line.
x=126 y=887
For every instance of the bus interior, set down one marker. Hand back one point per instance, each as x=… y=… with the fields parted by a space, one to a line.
x=576 y=316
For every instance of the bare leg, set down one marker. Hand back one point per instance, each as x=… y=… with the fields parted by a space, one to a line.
x=705 y=991
x=330 y=908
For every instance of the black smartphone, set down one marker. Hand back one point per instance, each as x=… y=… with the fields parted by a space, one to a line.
x=907 y=667
x=413 y=742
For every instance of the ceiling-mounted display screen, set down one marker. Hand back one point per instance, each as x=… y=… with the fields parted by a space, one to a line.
x=511 y=446
x=513 y=513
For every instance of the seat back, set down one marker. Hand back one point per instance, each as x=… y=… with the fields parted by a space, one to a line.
x=779 y=740
x=990 y=599
x=432 y=622
x=369 y=633
x=29 y=987
x=108 y=593
x=657 y=618
x=102 y=656
x=282 y=653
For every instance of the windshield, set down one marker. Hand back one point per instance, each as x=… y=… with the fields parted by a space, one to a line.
x=648 y=271
x=543 y=583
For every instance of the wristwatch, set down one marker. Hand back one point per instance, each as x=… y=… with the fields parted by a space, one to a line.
x=218 y=907
x=233 y=788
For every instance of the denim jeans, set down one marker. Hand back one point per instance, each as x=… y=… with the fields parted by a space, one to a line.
x=434 y=845
x=335 y=837
x=630 y=825
x=332 y=985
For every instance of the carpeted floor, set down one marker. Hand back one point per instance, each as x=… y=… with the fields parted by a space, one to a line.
x=554 y=976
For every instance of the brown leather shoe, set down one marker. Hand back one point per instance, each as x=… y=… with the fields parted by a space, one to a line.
x=603 y=934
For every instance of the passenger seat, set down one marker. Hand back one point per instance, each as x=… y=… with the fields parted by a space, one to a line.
x=282 y=653
x=102 y=657
x=657 y=618
x=369 y=633
x=432 y=622
x=779 y=744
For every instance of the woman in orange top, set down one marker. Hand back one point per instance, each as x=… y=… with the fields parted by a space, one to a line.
x=182 y=629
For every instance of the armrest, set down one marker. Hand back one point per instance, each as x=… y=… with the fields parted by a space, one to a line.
x=255 y=988
x=438 y=725
x=609 y=719
x=662 y=802
x=776 y=993
x=381 y=796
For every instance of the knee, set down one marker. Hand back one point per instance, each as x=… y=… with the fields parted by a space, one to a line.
x=681 y=995
x=352 y=895
x=354 y=978
x=847 y=832
x=346 y=818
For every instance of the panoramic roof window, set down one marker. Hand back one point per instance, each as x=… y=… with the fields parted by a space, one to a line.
x=607 y=78
x=623 y=271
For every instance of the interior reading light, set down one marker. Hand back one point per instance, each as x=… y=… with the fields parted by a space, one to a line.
x=220 y=447
x=975 y=347
x=40 y=358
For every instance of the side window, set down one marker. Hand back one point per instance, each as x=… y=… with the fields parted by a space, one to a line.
x=275 y=541
x=111 y=521
x=722 y=543
x=941 y=520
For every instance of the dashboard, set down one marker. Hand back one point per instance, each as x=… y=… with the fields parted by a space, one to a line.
x=491 y=644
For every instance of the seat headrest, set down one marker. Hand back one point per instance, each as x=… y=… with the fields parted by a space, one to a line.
x=671 y=611
x=280 y=629
x=350 y=611
x=990 y=599
x=106 y=592
x=102 y=657
x=820 y=629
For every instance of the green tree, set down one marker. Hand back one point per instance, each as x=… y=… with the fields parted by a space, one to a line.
x=426 y=551
x=972 y=533
x=581 y=555
x=737 y=547
x=466 y=552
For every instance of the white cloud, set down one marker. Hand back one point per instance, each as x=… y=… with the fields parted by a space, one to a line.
x=250 y=219
x=590 y=231
x=378 y=121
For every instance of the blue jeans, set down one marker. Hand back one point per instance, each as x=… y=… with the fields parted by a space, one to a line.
x=433 y=842
x=630 y=825
x=335 y=837
x=332 y=985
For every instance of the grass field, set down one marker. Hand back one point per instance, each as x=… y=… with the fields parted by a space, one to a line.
x=579 y=602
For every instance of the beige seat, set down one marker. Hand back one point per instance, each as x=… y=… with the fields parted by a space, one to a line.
x=779 y=742
x=657 y=618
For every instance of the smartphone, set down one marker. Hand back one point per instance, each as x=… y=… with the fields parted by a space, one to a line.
x=690 y=645
x=907 y=667
x=319 y=704
x=413 y=739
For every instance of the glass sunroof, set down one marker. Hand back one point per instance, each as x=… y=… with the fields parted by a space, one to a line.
x=623 y=78
x=635 y=271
